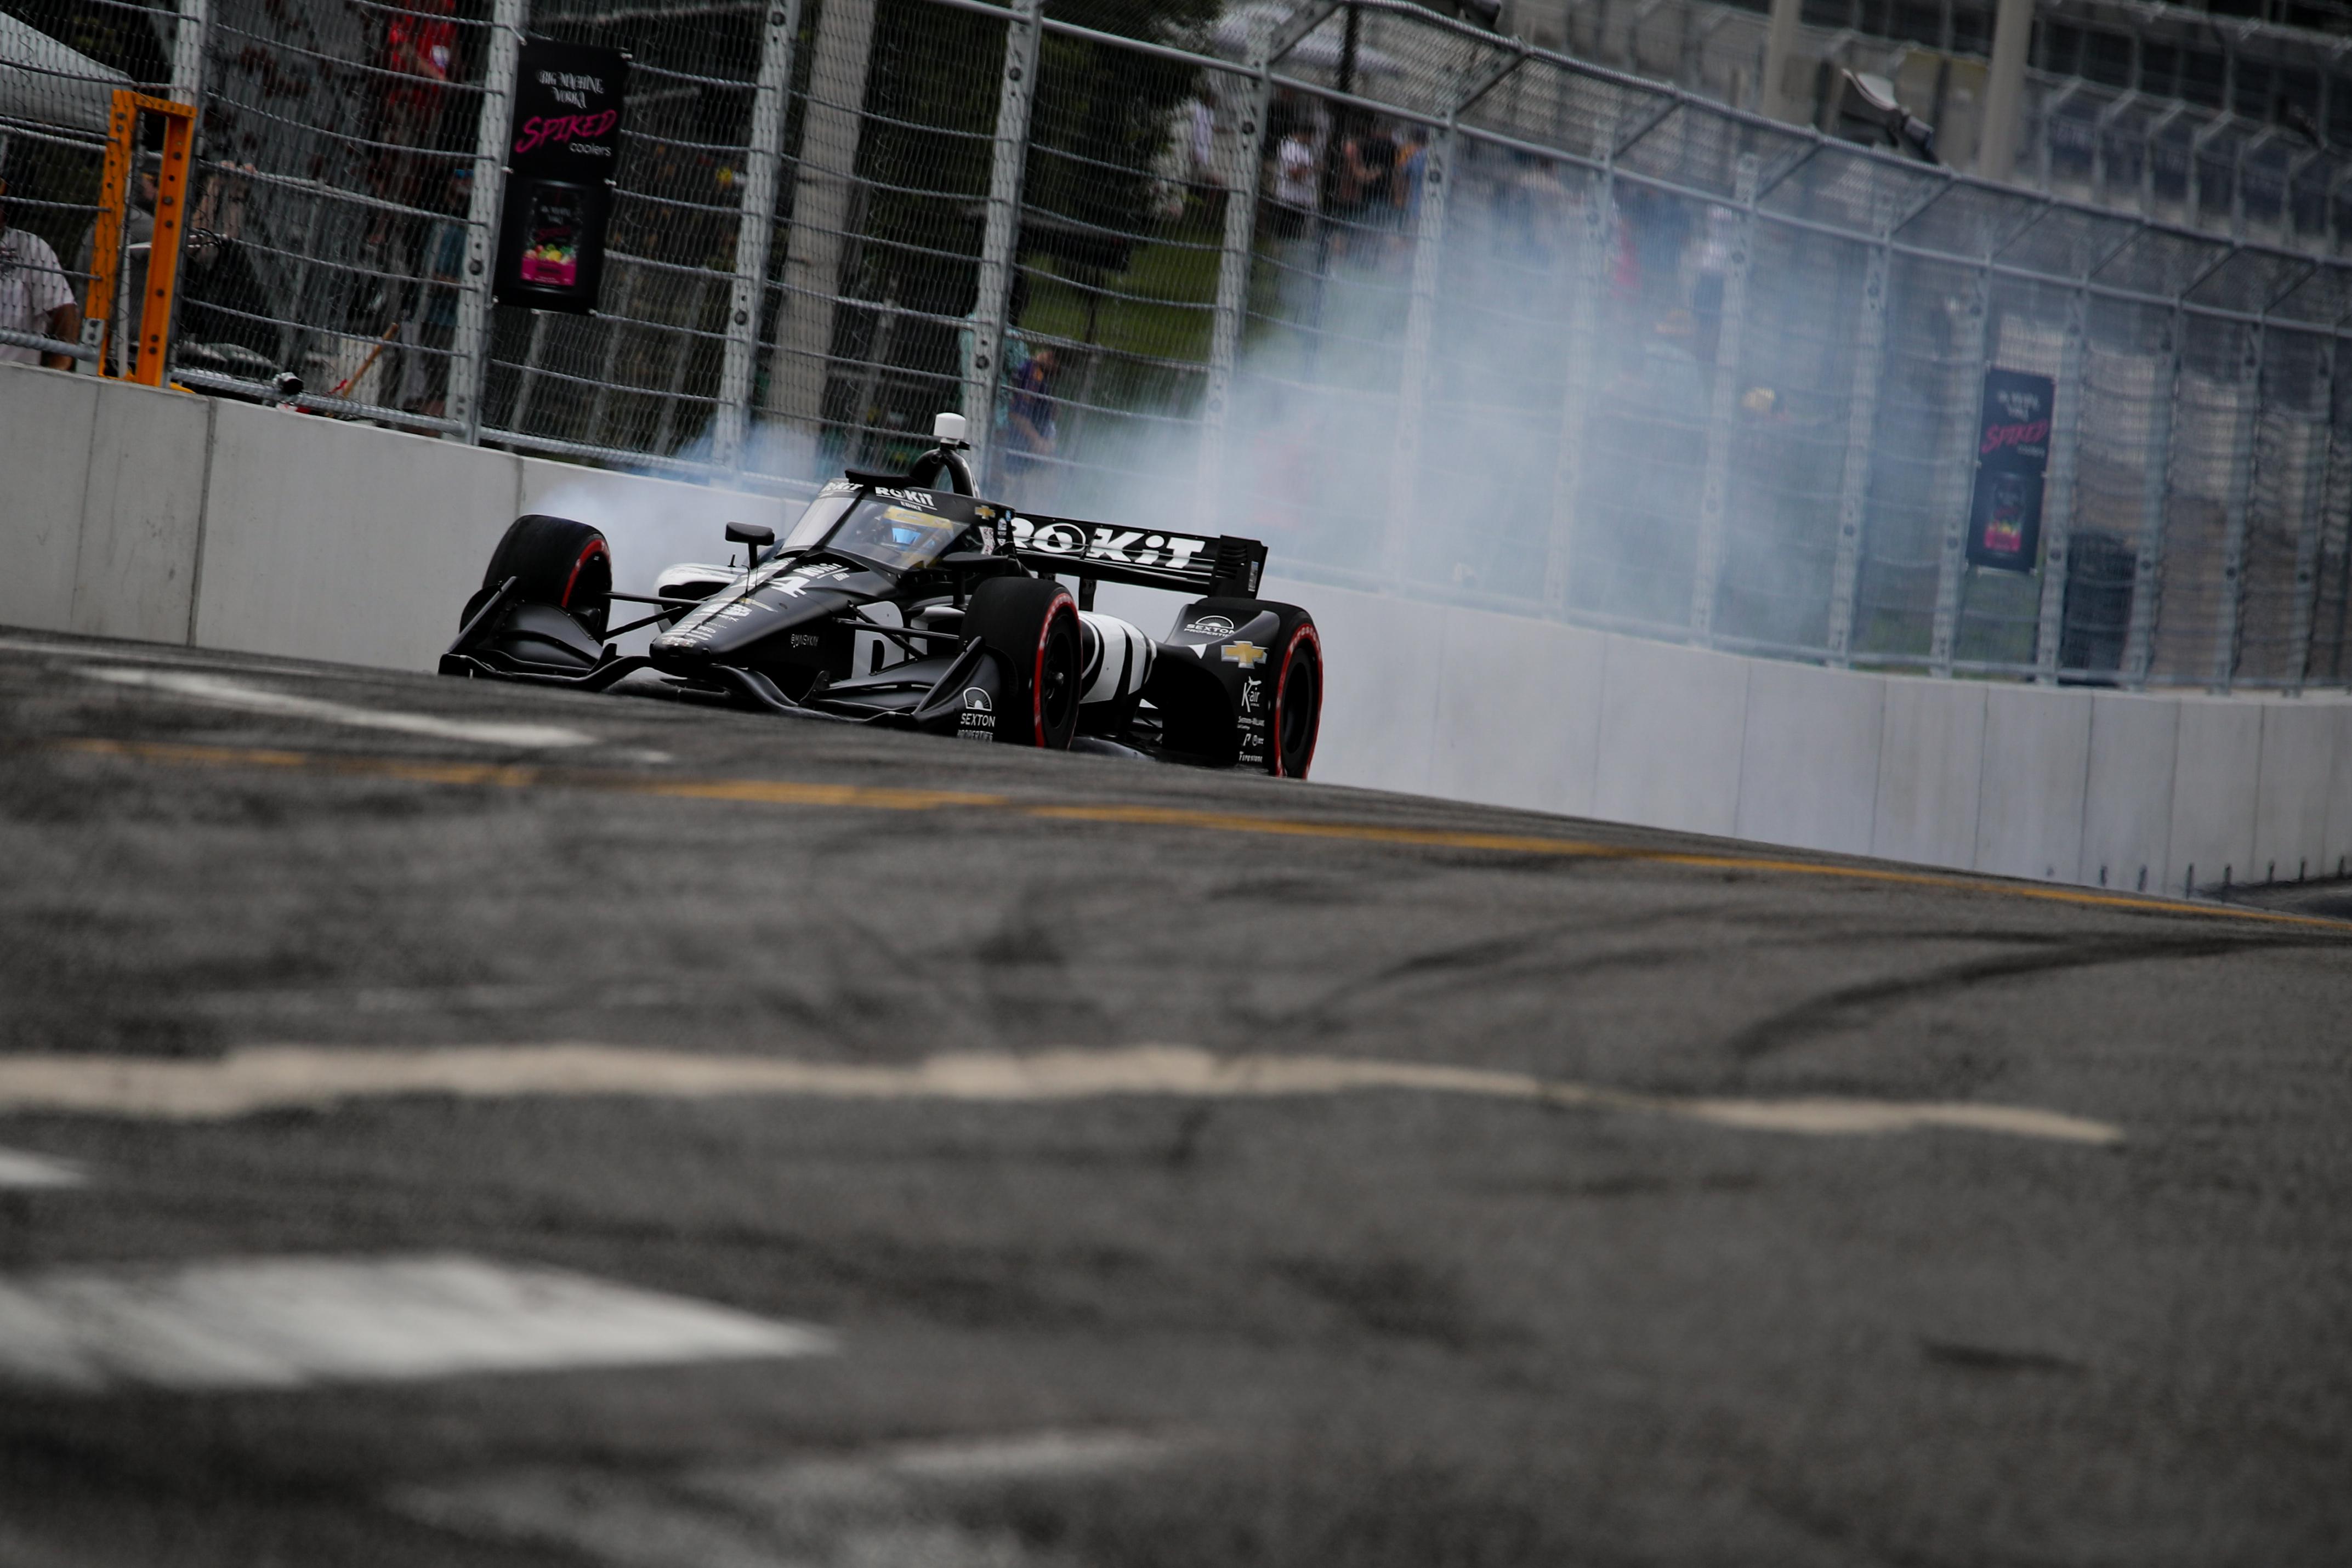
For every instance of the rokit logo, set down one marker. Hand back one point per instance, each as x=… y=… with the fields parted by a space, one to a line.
x=978 y=719
x=1125 y=547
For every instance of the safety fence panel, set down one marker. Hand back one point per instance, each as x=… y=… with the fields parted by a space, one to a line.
x=642 y=374
x=61 y=62
x=1111 y=309
x=332 y=199
x=1422 y=307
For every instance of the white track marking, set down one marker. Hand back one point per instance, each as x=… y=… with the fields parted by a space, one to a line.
x=19 y=1169
x=273 y=1077
x=222 y=692
x=283 y=1323
x=886 y=1508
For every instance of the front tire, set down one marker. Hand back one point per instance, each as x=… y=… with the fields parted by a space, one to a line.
x=561 y=562
x=1031 y=623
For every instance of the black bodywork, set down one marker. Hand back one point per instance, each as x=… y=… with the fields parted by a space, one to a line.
x=897 y=604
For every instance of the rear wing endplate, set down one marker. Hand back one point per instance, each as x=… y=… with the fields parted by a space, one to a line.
x=1219 y=567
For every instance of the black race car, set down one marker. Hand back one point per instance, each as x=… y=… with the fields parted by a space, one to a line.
x=898 y=602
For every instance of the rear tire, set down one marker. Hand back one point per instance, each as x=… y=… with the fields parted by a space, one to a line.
x=1298 y=702
x=1032 y=625
x=561 y=562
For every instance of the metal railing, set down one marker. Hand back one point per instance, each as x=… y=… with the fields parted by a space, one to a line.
x=1432 y=311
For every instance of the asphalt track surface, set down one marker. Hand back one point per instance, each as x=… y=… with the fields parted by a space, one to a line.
x=1563 y=1305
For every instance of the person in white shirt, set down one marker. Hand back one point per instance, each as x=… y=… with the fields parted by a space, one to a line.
x=1294 y=182
x=34 y=295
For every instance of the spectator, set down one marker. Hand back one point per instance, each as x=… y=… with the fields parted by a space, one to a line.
x=1294 y=182
x=1030 y=427
x=1411 y=171
x=1200 y=149
x=1368 y=159
x=35 y=296
x=1012 y=350
x=419 y=52
x=221 y=297
x=433 y=328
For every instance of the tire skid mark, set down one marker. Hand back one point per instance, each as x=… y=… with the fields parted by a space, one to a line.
x=1854 y=1005
x=783 y=792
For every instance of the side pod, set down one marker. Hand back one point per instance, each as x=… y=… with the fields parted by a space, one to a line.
x=1196 y=711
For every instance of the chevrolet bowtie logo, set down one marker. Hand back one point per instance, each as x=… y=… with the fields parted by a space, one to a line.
x=1244 y=654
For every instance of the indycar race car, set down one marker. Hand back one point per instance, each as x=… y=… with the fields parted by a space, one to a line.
x=896 y=602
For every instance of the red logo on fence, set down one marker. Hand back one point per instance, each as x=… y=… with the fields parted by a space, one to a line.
x=538 y=131
x=2032 y=433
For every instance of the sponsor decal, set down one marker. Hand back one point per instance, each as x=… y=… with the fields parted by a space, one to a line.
x=1252 y=694
x=805 y=639
x=806 y=577
x=975 y=722
x=1210 y=626
x=1246 y=653
x=1125 y=547
x=911 y=497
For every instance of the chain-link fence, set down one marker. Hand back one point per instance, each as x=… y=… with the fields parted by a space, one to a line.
x=1428 y=309
x=60 y=64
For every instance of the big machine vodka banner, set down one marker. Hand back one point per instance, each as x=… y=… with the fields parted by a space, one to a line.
x=561 y=153
x=2012 y=452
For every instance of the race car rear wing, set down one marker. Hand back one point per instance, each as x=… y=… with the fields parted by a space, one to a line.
x=1219 y=567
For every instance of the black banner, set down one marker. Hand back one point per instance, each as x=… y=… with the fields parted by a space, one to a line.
x=2012 y=450
x=564 y=146
x=2005 y=520
x=2014 y=422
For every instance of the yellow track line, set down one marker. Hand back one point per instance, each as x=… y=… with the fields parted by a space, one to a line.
x=785 y=792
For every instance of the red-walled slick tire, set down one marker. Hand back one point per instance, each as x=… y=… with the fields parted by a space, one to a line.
x=1032 y=625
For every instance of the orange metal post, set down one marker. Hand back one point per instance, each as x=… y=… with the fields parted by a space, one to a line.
x=106 y=244
x=164 y=255
x=152 y=313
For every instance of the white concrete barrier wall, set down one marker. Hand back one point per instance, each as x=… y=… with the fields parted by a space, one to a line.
x=149 y=514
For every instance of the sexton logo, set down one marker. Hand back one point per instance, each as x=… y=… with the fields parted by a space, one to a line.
x=975 y=699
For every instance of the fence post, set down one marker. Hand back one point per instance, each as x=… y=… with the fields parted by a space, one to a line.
x=188 y=56
x=469 y=344
x=754 y=227
x=2156 y=486
x=2241 y=485
x=1233 y=275
x=1590 y=279
x=999 y=240
x=1951 y=567
x=2058 y=499
x=1268 y=42
x=1860 y=432
x=1723 y=411
x=1413 y=387
x=2315 y=469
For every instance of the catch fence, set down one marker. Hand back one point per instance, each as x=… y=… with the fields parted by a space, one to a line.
x=1429 y=310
